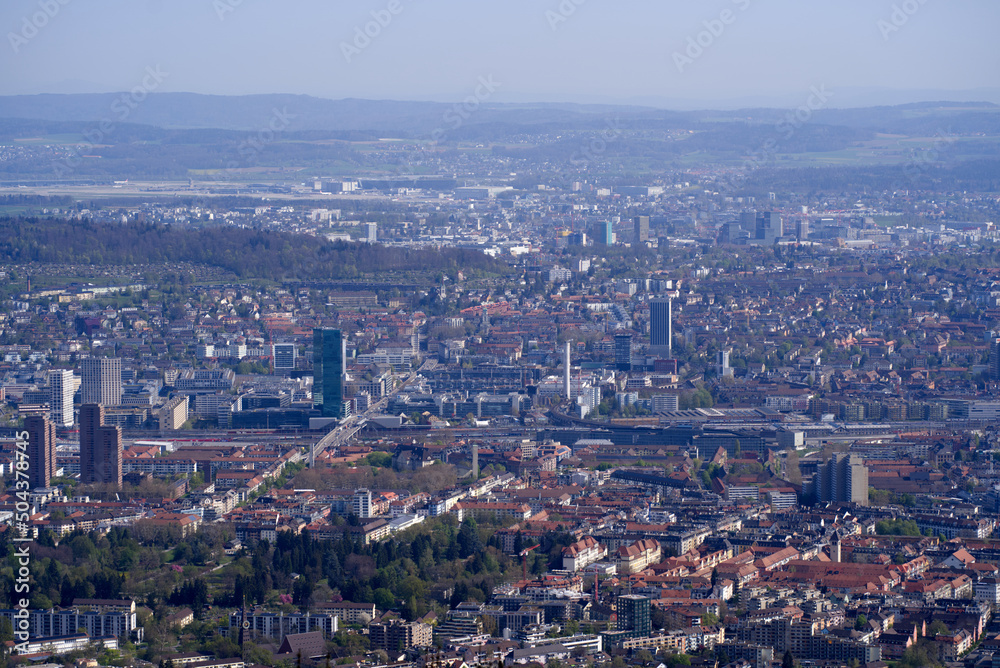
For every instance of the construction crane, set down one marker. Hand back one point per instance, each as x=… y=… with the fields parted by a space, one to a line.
x=524 y=560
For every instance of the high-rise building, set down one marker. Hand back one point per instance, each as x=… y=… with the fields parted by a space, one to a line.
x=61 y=390
x=604 y=234
x=731 y=233
x=769 y=227
x=329 y=353
x=842 y=479
x=41 y=450
x=640 y=234
x=91 y=419
x=102 y=381
x=659 y=323
x=285 y=355
x=722 y=362
x=802 y=229
x=995 y=359
x=371 y=230
x=634 y=615
x=100 y=448
x=567 y=385
x=623 y=351
x=362 y=503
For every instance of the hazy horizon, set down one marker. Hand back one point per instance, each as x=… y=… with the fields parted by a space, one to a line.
x=722 y=54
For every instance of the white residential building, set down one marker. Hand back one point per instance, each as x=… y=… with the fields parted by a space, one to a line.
x=102 y=381
x=61 y=389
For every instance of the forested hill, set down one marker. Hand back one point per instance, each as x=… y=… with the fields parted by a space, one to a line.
x=245 y=252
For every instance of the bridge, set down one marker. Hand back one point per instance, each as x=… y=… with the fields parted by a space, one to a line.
x=350 y=427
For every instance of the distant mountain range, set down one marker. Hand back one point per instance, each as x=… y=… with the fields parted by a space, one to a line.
x=388 y=118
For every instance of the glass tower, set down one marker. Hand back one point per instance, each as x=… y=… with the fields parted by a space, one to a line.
x=623 y=352
x=328 y=372
x=634 y=615
x=659 y=323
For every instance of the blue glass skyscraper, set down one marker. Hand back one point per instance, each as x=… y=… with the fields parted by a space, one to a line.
x=328 y=372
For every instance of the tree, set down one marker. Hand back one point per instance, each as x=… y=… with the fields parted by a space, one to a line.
x=792 y=469
x=489 y=624
x=379 y=459
x=788 y=661
x=383 y=599
x=468 y=539
x=937 y=627
x=860 y=623
x=917 y=656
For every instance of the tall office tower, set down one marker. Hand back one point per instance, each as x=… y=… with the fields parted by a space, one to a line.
x=634 y=615
x=640 y=234
x=91 y=419
x=604 y=234
x=109 y=448
x=100 y=448
x=41 y=450
x=371 y=230
x=769 y=228
x=567 y=384
x=102 y=381
x=842 y=479
x=362 y=503
x=730 y=233
x=284 y=355
x=623 y=352
x=802 y=229
x=995 y=359
x=61 y=390
x=659 y=323
x=329 y=353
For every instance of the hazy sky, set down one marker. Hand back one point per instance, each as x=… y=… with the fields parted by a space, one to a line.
x=620 y=51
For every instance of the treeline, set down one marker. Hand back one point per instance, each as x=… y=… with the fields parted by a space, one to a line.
x=728 y=141
x=443 y=565
x=245 y=252
x=82 y=566
x=897 y=527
